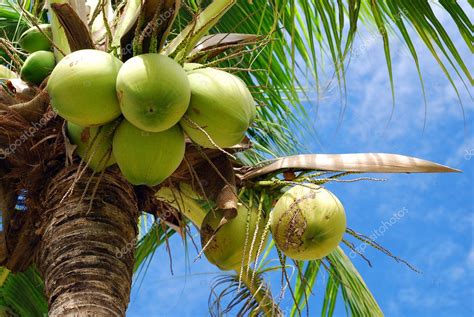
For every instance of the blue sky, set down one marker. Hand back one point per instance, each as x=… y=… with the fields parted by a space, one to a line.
x=436 y=231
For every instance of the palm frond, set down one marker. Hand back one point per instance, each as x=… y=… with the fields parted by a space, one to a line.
x=11 y=27
x=22 y=293
x=330 y=297
x=11 y=22
x=357 y=162
x=152 y=239
x=304 y=284
x=357 y=297
x=343 y=278
x=304 y=33
x=251 y=298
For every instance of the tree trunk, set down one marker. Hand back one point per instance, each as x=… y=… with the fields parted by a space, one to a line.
x=86 y=253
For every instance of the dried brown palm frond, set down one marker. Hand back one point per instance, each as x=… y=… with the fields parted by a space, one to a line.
x=355 y=162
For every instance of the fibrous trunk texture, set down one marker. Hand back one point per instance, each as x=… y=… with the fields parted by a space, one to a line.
x=87 y=249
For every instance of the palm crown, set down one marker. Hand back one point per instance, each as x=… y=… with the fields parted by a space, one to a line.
x=268 y=45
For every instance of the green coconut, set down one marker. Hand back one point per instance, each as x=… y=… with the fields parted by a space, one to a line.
x=37 y=67
x=147 y=158
x=5 y=72
x=221 y=105
x=153 y=91
x=94 y=145
x=308 y=222
x=226 y=249
x=82 y=88
x=33 y=40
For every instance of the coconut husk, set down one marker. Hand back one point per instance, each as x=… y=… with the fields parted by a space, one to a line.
x=77 y=33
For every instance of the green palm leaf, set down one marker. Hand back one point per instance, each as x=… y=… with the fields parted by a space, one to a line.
x=357 y=297
x=22 y=293
x=304 y=284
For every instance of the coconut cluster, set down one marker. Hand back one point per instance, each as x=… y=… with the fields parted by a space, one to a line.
x=40 y=62
x=307 y=223
x=136 y=114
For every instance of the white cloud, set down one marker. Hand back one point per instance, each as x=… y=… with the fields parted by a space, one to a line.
x=456 y=273
x=369 y=93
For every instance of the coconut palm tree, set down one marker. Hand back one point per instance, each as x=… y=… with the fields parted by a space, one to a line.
x=70 y=240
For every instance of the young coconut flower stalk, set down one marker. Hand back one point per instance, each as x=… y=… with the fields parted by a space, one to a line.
x=230 y=244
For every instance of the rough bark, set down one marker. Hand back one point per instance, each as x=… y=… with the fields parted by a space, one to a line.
x=7 y=204
x=87 y=250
